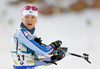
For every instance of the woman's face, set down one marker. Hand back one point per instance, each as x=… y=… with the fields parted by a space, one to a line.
x=29 y=21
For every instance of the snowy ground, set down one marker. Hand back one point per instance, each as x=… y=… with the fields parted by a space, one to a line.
x=72 y=29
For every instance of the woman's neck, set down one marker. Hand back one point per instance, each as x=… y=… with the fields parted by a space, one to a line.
x=30 y=30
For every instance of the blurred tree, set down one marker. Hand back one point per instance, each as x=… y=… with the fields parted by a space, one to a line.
x=78 y=6
x=45 y=8
x=96 y=4
x=19 y=1
x=48 y=7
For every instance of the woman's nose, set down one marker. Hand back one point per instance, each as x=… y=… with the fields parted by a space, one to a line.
x=29 y=19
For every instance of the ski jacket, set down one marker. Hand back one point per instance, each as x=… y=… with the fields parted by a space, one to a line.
x=26 y=51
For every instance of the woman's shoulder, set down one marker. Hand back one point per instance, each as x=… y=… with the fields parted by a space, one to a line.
x=17 y=31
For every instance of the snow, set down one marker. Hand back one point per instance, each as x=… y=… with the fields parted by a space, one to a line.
x=71 y=28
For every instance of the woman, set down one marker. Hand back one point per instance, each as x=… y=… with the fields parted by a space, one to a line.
x=28 y=47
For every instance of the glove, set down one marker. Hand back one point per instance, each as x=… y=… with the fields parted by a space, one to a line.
x=58 y=57
x=38 y=40
x=56 y=44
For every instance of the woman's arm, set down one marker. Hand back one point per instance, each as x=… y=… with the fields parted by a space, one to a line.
x=26 y=39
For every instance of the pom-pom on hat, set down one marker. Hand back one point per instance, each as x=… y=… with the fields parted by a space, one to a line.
x=30 y=9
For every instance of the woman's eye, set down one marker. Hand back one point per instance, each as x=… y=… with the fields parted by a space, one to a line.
x=33 y=17
x=26 y=16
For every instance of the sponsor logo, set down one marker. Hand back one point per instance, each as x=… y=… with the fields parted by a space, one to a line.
x=15 y=62
x=29 y=37
x=30 y=67
x=21 y=62
x=47 y=48
x=30 y=12
x=30 y=61
x=26 y=33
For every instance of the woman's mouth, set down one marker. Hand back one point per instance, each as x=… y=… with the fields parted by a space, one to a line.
x=29 y=24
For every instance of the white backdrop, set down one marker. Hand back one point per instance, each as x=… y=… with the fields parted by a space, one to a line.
x=71 y=28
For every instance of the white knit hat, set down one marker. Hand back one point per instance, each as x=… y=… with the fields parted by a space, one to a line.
x=30 y=11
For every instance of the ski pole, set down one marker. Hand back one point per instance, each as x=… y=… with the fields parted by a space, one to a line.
x=85 y=56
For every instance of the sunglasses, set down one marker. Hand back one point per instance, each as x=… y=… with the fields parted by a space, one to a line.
x=30 y=7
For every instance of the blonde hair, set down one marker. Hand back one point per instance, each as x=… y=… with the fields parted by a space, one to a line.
x=29 y=4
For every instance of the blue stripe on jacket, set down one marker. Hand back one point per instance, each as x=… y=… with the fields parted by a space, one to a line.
x=26 y=39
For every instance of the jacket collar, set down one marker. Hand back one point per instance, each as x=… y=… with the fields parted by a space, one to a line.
x=30 y=30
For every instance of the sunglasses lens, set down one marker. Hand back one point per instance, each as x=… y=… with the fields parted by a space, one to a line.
x=34 y=8
x=27 y=7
